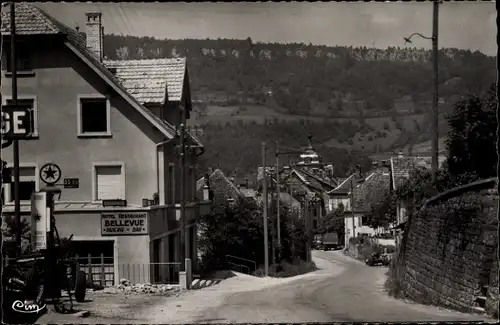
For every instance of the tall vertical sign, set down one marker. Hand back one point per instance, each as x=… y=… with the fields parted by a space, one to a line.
x=40 y=220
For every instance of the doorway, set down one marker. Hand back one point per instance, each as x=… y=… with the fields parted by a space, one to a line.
x=97 y=259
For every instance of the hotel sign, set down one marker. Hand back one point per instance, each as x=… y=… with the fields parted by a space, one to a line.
x=124 y=223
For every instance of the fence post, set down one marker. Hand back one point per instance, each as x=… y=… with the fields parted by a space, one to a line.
x=103 y=271
x=89 y=263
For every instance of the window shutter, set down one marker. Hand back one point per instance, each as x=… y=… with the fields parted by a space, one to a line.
x=109 y=183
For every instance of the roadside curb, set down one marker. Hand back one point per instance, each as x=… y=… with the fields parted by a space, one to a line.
x=200 y=284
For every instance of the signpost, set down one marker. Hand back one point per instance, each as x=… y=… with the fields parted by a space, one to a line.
x=40 y=219
x=17 y=122
x=124 y=223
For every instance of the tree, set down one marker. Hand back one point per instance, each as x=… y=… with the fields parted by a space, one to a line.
x=383 y=212
x=333 y=222
x=472 y=137
x=237 y=229
x=230 y=230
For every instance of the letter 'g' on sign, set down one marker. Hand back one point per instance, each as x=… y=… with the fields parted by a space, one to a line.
x=16 y=122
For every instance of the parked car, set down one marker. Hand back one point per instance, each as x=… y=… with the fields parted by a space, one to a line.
x=331 y=241
x=377 y=258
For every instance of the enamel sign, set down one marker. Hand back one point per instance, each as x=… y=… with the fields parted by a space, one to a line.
x=40 y=220
x=124 y=223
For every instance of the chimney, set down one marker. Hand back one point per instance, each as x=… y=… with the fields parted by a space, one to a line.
x=95 y=34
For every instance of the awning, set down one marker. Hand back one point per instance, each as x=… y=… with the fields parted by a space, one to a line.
x=62 y=206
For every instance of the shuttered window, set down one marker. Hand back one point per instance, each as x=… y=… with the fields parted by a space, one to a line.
x=109 y=183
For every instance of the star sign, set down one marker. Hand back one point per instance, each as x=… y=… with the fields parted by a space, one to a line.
x=50 y=173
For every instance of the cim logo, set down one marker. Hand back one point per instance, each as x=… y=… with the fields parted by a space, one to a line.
x=26 y=307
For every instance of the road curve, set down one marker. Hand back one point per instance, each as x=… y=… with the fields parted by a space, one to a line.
x=344 y=290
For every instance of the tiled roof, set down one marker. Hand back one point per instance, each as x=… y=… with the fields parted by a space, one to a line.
x=402 y=166
x=370 y=191
x=151 y=81
x=31 y=20
x=308 y=180
x=221 y=186
x=325 y=182
x=345 y=184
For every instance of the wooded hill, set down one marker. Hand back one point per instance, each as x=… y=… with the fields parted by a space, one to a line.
x=362 y=99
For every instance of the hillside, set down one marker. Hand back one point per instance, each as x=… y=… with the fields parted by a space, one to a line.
x=354 y=101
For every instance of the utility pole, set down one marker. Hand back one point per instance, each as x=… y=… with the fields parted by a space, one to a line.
x=435 y=97
x=13 y=63
x=264 y=212
x=278 y=201
x=351 y=199
x=308 y=228
x=290 y=207
x=435 y=92
x=183 y=233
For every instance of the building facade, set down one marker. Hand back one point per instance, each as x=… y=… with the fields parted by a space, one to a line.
x=112 y=126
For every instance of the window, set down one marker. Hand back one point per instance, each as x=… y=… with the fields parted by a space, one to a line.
x=30 y=101
x=23 y=58
x=109 y=181
x=93 y=117
x=27 y=185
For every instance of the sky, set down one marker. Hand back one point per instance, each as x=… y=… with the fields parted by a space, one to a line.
x=463 y=25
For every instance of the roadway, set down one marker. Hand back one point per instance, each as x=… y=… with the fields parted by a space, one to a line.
x=344 y=290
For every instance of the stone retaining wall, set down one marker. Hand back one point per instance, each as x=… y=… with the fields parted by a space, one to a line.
x=447 y=262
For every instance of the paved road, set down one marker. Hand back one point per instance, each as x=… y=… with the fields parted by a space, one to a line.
x=344 y=290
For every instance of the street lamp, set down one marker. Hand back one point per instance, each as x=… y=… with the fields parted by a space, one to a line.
x=435 y=97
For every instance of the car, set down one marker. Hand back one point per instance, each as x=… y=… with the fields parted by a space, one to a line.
x=377 y=258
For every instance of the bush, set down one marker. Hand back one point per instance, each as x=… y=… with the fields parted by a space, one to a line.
x=393 y=284
x=286 y=269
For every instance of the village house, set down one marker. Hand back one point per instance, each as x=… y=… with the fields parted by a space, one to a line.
x=340 y=195
x=400 y=168
x=112 y=126
x=307 y=179
x=222 y=188
x=365 y=193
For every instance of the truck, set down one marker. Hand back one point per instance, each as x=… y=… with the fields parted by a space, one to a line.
x=329 y=241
